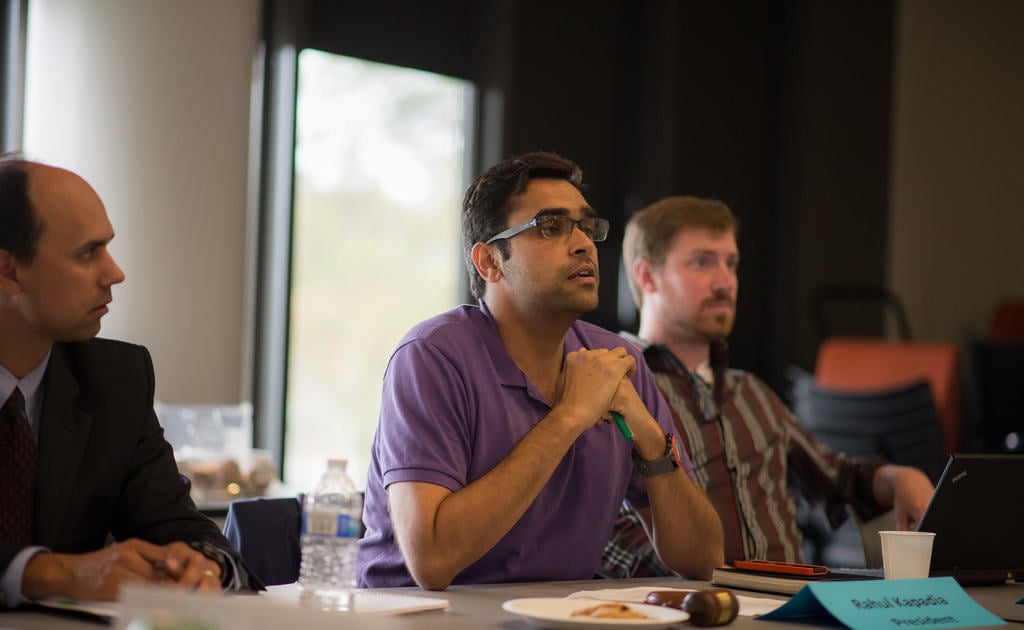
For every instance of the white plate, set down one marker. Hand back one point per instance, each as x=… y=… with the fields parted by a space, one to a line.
x=556 y=612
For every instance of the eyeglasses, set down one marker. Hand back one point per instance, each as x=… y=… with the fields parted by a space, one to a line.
x=558 y=225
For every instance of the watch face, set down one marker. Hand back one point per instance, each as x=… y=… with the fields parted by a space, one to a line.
x=666 y=463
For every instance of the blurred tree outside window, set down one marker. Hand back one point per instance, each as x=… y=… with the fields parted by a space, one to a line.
x=378 y=185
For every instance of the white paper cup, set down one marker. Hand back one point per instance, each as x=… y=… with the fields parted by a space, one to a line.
x=906 y=555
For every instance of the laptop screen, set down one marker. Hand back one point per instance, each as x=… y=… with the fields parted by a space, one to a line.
x=977 y=514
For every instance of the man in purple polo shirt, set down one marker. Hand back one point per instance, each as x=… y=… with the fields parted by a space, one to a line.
x=494 y=459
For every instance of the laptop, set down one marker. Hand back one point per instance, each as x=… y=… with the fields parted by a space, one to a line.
x=977 y=514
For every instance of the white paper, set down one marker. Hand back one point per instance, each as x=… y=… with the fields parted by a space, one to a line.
x=366 y=602
x=106 y=610
x=156 y=607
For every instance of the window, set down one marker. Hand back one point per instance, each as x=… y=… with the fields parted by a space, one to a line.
x=379 y=155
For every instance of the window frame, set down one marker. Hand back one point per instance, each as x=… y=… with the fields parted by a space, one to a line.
x=291 y=26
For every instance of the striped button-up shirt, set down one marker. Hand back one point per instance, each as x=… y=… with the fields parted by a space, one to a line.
x=749 y=454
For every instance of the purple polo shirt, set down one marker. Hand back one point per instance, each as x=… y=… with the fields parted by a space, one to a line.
x=454 y=404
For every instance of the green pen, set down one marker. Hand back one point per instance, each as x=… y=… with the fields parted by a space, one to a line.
x=626 y=433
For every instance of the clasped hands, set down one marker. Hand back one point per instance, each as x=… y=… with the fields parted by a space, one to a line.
x=98 y=575
x=594 y=383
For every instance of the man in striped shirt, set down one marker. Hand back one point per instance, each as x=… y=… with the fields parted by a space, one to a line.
x=749 y=452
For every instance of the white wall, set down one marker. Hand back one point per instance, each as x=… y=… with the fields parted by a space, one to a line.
x=957 y=231
x=149 y=100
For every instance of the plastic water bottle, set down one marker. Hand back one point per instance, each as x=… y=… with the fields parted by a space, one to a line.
x=331 y=524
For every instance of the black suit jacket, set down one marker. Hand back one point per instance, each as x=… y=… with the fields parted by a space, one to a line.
x=104 y=465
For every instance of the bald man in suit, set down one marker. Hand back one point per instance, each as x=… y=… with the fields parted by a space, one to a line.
x=99 y=469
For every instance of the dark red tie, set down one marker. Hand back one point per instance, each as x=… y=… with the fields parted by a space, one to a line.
x=17 y=472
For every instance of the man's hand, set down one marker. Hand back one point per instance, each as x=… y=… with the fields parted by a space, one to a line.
x=98 y=575
x=913 y=492
x=648 y=436
x=590 y=381
x=907 y=490
x=189 y=568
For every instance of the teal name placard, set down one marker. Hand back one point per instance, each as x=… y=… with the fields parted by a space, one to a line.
x=924 y=603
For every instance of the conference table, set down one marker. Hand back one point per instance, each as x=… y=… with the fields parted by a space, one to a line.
x=480 y=606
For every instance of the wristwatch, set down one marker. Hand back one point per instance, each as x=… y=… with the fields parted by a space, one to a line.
x=666 y=463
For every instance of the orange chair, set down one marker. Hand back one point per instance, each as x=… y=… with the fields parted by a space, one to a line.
x=865 y=364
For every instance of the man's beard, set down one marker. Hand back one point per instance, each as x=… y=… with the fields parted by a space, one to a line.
x=720 y=324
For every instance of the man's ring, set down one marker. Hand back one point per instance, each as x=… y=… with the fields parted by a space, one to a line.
x=208 y=572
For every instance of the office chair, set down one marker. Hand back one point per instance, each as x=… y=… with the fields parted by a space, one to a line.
x=867 y=530
x=869 y=365
x=1007 y=323
x=266 y=532
x=998 y=374
x=854 y=544
x=859 y=310
x=898 y=424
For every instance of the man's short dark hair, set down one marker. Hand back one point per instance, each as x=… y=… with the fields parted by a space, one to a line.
x=485 y=208
x=20 y=225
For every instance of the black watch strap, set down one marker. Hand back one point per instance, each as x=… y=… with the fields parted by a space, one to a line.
x=666 y=463
x=234 y=575
x=218 y=556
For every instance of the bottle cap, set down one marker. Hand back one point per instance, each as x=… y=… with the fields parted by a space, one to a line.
x=337 y=463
